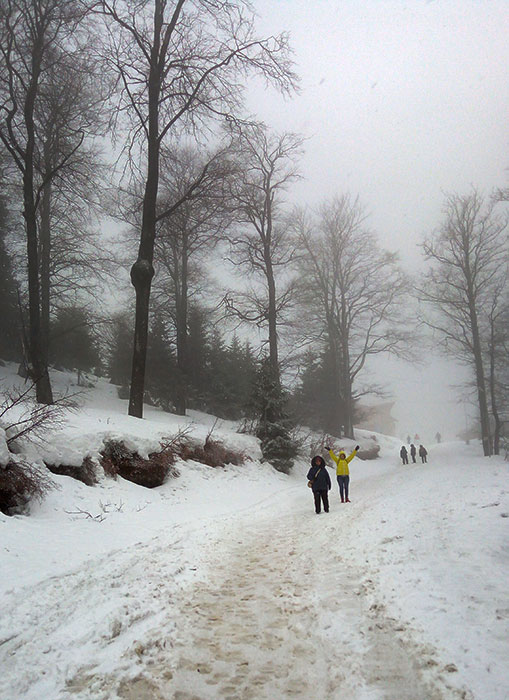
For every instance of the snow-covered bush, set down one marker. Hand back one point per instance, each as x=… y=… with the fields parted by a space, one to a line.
x=117 y=459
x=85 y=472
x=19 y=483
x=23 y=420
x=213 y=453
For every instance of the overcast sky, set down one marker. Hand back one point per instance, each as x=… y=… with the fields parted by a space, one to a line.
x=402 y=101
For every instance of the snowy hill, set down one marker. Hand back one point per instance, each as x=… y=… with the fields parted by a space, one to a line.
x=223 y=583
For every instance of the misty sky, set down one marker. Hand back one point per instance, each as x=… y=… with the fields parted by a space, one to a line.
x=402 y=101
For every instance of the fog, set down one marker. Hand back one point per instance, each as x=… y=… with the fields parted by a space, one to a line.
x=401 y=102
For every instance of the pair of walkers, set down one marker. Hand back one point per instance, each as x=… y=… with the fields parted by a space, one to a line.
x=319 y=479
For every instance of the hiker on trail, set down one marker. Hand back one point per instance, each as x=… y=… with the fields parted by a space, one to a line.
x=404 y=455
x=342 y=471
x=438 y=437
x=423 y=454
x=413 y=452
x=319 y=480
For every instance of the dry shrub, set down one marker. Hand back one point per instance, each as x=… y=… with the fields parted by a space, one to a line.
x=213 y=453
x=19 y=483
x=85 y=473
x=117 y=459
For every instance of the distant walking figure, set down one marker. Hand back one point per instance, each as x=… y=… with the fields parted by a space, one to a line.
x=423 y=454
x=319 y=479
x=342 y=471
x=404 y=455
x=413 y=452
x=438 y=437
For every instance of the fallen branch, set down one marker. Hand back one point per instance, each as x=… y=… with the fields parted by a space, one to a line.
x=97 y=518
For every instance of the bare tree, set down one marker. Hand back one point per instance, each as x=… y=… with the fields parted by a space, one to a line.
x=264 y=247
x=354 y=292
x=466 y=254
x=178 y=64
x=187 y=238
x=70 y=112
x=34 y=34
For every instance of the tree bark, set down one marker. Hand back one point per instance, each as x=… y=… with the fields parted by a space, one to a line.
x=479 y=370
x=38 y=366
x=182 y=349
x=494 y=406
x=45 y=251
x=142 y=271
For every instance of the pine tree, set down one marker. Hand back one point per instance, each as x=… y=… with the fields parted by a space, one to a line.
x=160 y=388
x=314 y=400
x=273 y=429
x=71 y=343
x=198 y=375
x=120 y=352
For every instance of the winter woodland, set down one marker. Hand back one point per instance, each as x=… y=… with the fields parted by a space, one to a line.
x=179 y=335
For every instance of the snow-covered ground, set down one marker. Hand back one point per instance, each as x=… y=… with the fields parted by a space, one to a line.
x=223 y=583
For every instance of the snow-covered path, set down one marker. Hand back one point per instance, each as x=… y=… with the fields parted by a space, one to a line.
x=270 y=622
x=270 y=609
x=236 y=589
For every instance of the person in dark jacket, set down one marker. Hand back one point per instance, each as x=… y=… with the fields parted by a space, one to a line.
x=321 y=483
x=404 y=455
x=423 y=454
x=413 y=452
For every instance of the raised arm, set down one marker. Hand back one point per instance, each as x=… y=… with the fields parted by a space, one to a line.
x=333 y=456
x=351 y=456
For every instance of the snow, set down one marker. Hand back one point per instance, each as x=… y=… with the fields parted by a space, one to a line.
x=223 y=583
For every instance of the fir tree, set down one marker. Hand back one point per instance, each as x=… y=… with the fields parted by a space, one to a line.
x=120 y=351
x=198 y=374
x=71 y=343
x=161 y=382
x=273 y=428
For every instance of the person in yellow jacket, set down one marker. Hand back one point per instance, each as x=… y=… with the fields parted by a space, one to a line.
x=342 y=471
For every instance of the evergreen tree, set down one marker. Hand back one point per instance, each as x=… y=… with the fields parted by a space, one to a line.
x=273 y=429
x=314 y=400
x=161 y=375
x=120 y=351
x=71 y=343
x=241 y=372
x=198 y=374
x=220 y=383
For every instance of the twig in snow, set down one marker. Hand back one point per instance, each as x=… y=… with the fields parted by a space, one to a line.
x=97 y=518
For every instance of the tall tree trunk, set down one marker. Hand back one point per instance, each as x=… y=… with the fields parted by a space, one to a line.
x=345 y=371
x=478 y=362
x=45 y=248
x=182 y=345
x=272 y=315
x=480 y=382
x=38 y=366
x=494 y=406
x=347 y=396
x=337 y=417
x=142 y=271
